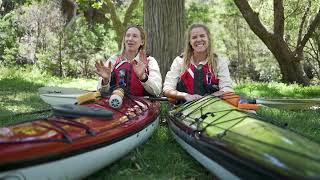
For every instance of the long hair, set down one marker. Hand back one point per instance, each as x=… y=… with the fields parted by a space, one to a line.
x=188 y=51
x=142 y=34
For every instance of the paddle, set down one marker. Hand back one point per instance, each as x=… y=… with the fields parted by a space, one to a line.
x=60 y=95
x=283 y=103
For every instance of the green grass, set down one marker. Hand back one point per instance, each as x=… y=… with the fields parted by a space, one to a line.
x=19 y=87
x=278 y=90
x=160 y=157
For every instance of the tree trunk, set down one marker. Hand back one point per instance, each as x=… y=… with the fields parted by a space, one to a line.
x=290 y=66
x=164 y=22
x=289 y=61
x=60 y=36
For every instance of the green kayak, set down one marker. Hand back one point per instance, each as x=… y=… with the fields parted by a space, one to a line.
x=234 y=144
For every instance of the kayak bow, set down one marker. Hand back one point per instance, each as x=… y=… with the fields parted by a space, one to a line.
x=234 y=144
x=76 y=140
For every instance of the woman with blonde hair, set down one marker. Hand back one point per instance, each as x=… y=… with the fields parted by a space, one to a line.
x=199 y=71
x=138 y=73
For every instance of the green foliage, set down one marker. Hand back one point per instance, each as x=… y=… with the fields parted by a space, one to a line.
x=9 y=34
x=198 y=12
x=71 y=52
x=137 y=15
x=81 y=45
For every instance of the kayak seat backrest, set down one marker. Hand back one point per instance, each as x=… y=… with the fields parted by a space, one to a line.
x=71 y=110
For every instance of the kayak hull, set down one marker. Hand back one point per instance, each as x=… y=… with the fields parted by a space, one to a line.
x=65 y=149
x=80 y=166
x=186 y=143
x=233 y=144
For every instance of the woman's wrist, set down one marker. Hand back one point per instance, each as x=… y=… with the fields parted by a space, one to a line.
x=105 y=81
x=144 y=78
x=175 y=94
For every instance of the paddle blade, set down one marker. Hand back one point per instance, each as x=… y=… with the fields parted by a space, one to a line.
x=59 y=99
x=60 y=95
x=60 y=90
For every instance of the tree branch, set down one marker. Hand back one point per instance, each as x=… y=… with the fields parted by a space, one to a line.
x=112 y=10
x=312 y=27
x=118 y=26
x=253 y=20
x=303 y=20
x=133 y=5
x=278 y=13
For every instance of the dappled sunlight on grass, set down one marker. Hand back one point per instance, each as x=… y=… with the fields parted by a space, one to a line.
x=19 y=90
x=277 y=90
x=85 y=84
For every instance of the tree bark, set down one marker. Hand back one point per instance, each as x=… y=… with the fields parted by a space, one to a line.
x=164 y=22
x=289 y=61
x=118 y=25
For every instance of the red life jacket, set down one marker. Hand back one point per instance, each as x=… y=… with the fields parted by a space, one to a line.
x=198 y=80
x=132 y=83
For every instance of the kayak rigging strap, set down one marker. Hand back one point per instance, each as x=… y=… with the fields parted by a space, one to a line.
x=127 y=94
x=72 y=122
x=199 y=131
x=65 y=134
x=206 y=103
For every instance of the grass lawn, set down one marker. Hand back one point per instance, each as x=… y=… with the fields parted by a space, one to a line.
x=160 y=157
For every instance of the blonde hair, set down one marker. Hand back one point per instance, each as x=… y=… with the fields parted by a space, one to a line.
x=142 y=34
x=188 y=51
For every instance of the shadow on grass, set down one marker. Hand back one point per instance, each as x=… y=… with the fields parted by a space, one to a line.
x=18 y=96
x=16 y=84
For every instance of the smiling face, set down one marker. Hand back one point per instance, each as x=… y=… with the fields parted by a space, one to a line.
x=199 y=40
x=132 y=40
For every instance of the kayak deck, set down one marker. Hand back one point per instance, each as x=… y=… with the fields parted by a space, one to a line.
x=258 y=144
x=46 y=139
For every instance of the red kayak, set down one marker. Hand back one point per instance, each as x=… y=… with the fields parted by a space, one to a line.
x=76 y=140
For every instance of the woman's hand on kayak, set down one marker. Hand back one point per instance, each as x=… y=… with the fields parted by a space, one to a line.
x=103 y=70
x=218 y=93
x=191 y=97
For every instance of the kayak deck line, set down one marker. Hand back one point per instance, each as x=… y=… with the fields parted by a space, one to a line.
x=211 y=120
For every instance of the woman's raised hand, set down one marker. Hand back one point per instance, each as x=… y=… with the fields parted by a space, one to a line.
x=103 y=70
x=139 y=68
